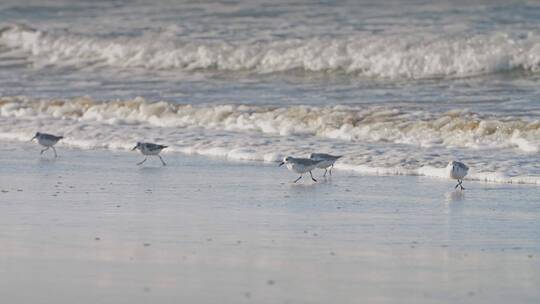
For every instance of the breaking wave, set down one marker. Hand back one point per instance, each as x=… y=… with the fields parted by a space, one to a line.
x=414 y=56
x=456 y=128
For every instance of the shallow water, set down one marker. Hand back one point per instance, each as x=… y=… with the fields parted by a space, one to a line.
x=399 y=87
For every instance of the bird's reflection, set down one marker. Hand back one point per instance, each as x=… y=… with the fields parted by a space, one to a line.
x=455 y=196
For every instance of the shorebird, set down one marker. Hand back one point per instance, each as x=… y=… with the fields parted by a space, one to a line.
x=326 y=161
x=300 y=165
x=149 y=149
x=458 y=171
x=47 y=140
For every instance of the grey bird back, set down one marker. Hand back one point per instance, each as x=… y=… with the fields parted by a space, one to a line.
x=154 y=147
x=306 y=161
x=323 y=156
x=462 y=166
x=50 y=137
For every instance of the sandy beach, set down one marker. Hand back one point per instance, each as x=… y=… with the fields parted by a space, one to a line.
x=92 y=227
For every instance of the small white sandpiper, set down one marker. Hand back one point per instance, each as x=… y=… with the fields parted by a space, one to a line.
x=149 y=149
x=47 y=140
x=458 y=171
x=300 y=166
x=326 y=161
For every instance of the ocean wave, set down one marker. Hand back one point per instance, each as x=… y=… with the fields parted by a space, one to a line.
x=374 y=140
x=399 y=125
x=413 y=56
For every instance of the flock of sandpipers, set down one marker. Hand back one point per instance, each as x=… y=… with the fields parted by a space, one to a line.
x=299 y=165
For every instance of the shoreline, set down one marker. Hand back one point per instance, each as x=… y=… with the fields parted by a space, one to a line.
x=241 y=156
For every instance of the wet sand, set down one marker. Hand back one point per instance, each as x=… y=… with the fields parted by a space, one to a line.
x=92 y=227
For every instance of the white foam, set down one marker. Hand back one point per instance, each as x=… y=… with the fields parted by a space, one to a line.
x=524 y=144
x=415 y=55
x=459 y=128
x=374 y=139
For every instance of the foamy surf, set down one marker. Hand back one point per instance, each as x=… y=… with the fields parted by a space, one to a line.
x=411 y=56
x=374 y=139
x=400 y=125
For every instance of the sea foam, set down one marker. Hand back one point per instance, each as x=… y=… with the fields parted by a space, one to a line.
x=374 y=139
x=454 y=128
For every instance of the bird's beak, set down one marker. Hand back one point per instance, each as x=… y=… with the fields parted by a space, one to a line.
x=281 y=164
x=134 y=148
x=33 y=138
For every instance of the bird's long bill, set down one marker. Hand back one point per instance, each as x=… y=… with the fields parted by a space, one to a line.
x=33 y=138
x=134 y=148
x=281 y=164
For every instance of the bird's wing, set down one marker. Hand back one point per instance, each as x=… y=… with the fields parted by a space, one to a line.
x=320 y=156
x=463 y=166
x=51 y=137
x=324 y=156
x=306 y=161
x=154 y=147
